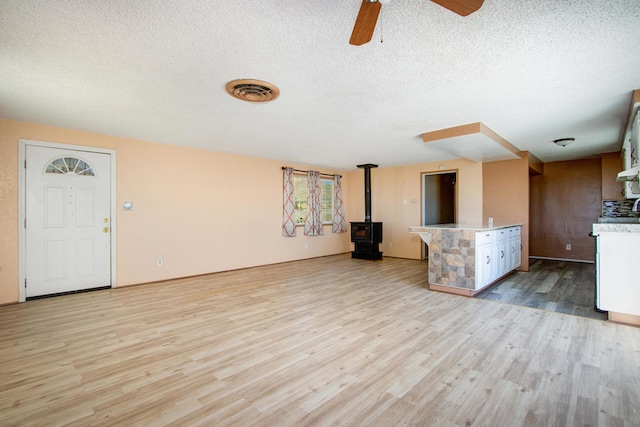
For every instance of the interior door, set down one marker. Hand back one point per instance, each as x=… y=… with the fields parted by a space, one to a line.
x=68 y=222
x=438 y=200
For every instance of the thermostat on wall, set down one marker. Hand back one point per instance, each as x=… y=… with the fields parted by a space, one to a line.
x=127 y=206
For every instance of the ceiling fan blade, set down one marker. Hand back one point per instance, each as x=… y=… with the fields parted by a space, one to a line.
x=365 y=23
x=461 y=7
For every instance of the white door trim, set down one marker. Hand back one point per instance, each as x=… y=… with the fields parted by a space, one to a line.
x=22 y=156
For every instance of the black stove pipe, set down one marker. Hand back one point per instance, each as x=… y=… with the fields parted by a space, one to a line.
x=367 y=190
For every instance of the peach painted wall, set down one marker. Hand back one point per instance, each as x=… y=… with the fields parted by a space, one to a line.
x=392 y=186
x=506 y=197
x=201 y=211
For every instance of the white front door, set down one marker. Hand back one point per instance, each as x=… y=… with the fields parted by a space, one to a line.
x=68 y=220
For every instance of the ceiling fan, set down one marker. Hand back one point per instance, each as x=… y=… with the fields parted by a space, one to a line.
x=370 y=9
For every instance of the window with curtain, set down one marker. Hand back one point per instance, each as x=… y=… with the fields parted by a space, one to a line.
x=300 y=199
x=339 y=220
x=288 y=206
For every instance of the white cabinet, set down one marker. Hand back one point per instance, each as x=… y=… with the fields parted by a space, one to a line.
x=514 y=247
x=502 y=253
x=631 y=144
x=486 y=265
x=631 y=155
x=618 y=286
x=634 y=131
x=497 y=253
x=466 y=258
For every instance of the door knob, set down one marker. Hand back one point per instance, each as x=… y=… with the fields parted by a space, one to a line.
x=105 y=230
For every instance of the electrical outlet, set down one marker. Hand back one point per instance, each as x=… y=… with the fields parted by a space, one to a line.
x=306 y=245
x=568 y=246
x=390 y=244
x=159 y=261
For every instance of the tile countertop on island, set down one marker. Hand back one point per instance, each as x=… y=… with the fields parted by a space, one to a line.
x=459 y=226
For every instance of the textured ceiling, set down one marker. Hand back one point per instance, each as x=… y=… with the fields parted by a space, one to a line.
x=533 y=71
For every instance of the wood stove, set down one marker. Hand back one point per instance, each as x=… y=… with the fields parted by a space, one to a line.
x=366 y=235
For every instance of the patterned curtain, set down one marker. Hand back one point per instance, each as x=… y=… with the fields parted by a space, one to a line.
x=339 y=222
x=288 y=208
x=313 y=224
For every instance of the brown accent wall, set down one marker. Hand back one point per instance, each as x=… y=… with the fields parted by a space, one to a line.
x=505 y=197
x=611 y=165
x=564 y=204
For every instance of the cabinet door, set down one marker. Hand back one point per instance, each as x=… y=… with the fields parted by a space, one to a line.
x=631 y=154
x=511 y=248
x=514 y=248
x=516 y=251
x=503 y=258
x=502 y=251
x=486 y=265
x=483 y=265
x=635 y=139
x=631 y=189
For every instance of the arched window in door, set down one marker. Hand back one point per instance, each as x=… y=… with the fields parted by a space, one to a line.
x=69 y=165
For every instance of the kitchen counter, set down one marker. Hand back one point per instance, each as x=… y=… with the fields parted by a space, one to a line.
x=464 y=258
x=616 y=227
x=618 y=289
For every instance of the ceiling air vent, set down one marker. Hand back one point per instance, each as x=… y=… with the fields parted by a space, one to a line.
x=252 y=90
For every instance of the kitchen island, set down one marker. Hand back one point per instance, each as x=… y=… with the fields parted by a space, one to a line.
x=465 y=259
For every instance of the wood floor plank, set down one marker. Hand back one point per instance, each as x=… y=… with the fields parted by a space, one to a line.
x=327 y=341
x=565 y=287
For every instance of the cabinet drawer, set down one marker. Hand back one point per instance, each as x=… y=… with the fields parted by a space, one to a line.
x=502 y=235
x=513 y=232
x=485 y=237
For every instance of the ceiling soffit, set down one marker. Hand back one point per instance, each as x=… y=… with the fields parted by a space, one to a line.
x=473 y=141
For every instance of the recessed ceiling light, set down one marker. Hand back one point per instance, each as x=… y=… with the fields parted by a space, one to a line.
x=563 y=142
x=252 y=90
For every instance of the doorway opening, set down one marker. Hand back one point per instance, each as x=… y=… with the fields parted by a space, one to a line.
x=438 y=200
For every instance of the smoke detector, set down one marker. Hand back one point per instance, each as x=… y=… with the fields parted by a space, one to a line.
x=252 y=90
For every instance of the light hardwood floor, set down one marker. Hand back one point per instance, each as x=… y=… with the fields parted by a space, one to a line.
x=328 y=341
